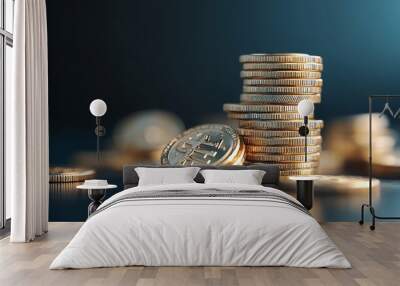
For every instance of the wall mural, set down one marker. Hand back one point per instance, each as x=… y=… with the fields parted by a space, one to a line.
x=220 y=83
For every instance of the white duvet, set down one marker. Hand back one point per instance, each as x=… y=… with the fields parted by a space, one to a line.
x=193 y=231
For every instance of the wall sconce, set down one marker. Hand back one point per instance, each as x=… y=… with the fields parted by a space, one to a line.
x=305 y=108
x=98 y=108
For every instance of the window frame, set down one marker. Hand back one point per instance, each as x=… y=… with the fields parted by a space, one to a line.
x=6 y=39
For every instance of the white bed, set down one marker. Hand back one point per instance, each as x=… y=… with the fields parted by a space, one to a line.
x=185 y=230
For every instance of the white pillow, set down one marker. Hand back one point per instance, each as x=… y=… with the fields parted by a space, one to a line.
x=165 y=176
x=248 y=177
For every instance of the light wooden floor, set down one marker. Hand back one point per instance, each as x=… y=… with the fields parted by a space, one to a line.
x=375 y=257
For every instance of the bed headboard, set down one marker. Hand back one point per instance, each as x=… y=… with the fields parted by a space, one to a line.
x=271 y=177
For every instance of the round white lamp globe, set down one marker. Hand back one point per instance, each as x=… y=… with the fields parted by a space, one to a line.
x=305 y=107
x=98 y=107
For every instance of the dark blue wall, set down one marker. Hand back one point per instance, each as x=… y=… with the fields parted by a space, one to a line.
x=183 y=55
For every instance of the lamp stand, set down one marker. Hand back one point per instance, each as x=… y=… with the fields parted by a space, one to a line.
x=304 y=131
x=99 y=131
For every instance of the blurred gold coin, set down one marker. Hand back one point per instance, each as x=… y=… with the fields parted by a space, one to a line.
x=283 y=66
x=299 y=172
x=280 y=74
x=69 y=175
x=237 y=107
x=275 y=133
x=289 y=99
x=282 y=89
x=283 y=125
x=280 y=58
x=266 y=116
x=350 y=183
x=282 y=149
x=283 y=82
x=294 y=141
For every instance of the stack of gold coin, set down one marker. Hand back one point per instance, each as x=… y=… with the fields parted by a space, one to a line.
x=273 y=85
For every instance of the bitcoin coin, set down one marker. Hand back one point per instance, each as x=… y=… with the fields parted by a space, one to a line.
x=232 y=107
x=280 y=74
x=281 y=158
x=282 y=89
x=290 y=99
x=274 y=133
x=283 y=82
x=210 y=144
x=282 y=125
x=283 y=66
x=280 y=58
x=293 y=141
x=266 y=116
x=282 y=149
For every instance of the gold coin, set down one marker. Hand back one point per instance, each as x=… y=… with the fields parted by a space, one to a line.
x=210 y=144
x=278 y=98
x=266 y=116
x=69 y=175
x=282 y=149
x=282 y=158
x=282 y=89
x=233 y=107
x=275 y=133
x=289 y=141
x=283 y=66
x=281 y=74
x=283 y=82
x=299 y=172
x=295 y=165
x=280 y=58
x=282 y=125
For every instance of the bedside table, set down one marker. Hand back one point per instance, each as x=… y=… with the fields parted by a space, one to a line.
x=305 y=189
x=96 y=193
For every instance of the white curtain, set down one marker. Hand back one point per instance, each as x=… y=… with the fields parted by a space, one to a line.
x=27 y=159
